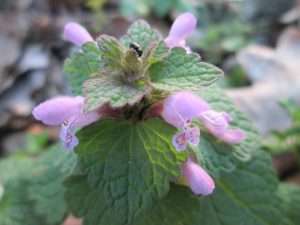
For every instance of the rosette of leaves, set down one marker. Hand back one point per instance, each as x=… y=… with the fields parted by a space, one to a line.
x=31 y=189
x=127 y=167
x=123 y=72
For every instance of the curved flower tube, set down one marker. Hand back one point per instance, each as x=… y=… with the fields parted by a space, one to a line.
x=182 y=27
x=218 y=124
x=67 y=112
x=197 y=178
x=76 y=34
x=181 y=108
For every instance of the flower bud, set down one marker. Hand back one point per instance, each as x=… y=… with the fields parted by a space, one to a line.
x=197 y=178
x=182 y=27
x=77 y=34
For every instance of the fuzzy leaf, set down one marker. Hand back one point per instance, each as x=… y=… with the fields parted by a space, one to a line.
x=126 y=168
x=247 y=196
x=112 y=52
x=33 y=190
x=82 y=65
x=290 y=201
x=156 y=53
x=182 y=71
x=111 y=89
x=142 y=34
x=215 y=155
x=14 y=202
x=46 y=190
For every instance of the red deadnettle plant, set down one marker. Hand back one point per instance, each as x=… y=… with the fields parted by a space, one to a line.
x=157 y=142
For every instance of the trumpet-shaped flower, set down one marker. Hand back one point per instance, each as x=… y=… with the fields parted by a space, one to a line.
x=67 y=112
x=218 y=124
x=182 y=27
x=76 y=34
x=181 y=108
x=197 y=178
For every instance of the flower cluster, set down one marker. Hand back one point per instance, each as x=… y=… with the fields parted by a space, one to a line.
x=68 y=113
x=180 y=110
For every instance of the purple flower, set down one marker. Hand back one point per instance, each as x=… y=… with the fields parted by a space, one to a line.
x=67 y=112
x=77 y=34
x=197 y=178
x=188 y=135
x=182 y=108
x=182 y=27
x=218 y=124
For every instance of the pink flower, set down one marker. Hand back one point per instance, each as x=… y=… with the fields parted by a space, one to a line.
x=77 y=34
x=197 y=178
x=182 y=27
x=218 y=124
x=67 y=112
x=189 y=135
x=181 y=108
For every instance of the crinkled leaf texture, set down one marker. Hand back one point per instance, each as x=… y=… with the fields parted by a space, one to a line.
x=111 y=89
x=246 y=185
x=81 y=65
x=142 y=34
x=218 y=156
x=33 y=190
x=111 y=50
x=125 y=169
x=182 y=71
x=290 y=202
x=246 y=196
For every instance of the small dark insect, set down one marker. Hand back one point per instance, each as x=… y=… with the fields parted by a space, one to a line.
x=136 y=48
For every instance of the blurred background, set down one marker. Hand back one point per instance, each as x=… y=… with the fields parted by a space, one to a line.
x=256 y=43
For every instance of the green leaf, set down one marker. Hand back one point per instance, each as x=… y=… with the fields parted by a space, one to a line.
x=182 y=71
x=82 y=65
x=14 y=202
x=111 y=89
x=247 y=196
x=215 y=155
x=290 y=201
x=142 y=34
x=125 y=166
x=155 y=53
x=46 y=189
x=112 y=52
x=33 y=190
x=15 y=207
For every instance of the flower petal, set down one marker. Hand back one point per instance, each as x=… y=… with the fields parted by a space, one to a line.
x=67 y=134
x=215 y=122
x=77 y=34
x=198 y=179
x=55 y=111
x=182 y=27
x=233 y=136
x=85 y=119
x=182 y=107
x=193 y=135
x=218 y=124
x=180 y=141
